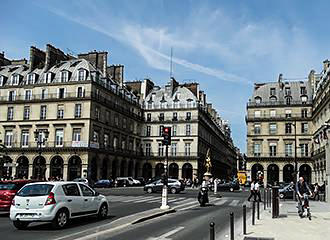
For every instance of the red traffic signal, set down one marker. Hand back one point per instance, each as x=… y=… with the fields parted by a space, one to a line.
x=167 y=136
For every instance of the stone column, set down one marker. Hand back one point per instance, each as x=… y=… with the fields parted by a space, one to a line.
x=47 y=173
x=280 y=179
x=13 y=170
x=30 y=171
x=84 y=171
x=180 y=173
x=265 y=178
x=153 y=172
x=65 y=172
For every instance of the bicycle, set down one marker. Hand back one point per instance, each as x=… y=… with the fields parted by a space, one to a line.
x=302 y=207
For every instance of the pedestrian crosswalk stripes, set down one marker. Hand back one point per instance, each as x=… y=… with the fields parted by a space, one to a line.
x=185 y=202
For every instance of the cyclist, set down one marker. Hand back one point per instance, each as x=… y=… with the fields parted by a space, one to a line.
x=302 y=191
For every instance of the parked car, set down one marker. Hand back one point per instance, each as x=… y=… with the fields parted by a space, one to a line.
x=104 y=183
x=228 y=186
x=8 y=190
x=56 y=202
x=174 y=186
x=126 y=181
x=153 y=179
x=286 y=192
x=83 y=180
x=142 y=181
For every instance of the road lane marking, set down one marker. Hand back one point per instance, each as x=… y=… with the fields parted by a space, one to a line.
x=165 y=235
x=146 y=199
x=176 y=199
x=234 y=203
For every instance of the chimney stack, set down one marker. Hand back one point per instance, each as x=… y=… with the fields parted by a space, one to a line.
x=4 y=61
x=97 y=59
x=37 y=58
x=54 y=56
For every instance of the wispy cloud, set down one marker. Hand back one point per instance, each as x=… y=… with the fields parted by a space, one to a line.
x=150 y=43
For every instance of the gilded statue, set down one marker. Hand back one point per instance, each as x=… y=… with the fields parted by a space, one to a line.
x=208 y=164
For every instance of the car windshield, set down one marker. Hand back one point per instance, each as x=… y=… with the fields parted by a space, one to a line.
x=35 y=190
x=8 y=186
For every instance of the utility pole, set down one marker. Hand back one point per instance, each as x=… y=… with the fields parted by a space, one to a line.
x=166 y=141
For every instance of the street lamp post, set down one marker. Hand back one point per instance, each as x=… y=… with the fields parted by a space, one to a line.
x=40 y=136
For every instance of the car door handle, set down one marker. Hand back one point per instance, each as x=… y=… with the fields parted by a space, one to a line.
x=85 y=200
x=69 y=200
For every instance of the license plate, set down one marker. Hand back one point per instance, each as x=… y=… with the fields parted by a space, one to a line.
x=27 y=215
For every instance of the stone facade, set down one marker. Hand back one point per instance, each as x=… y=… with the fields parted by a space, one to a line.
x=279 y=131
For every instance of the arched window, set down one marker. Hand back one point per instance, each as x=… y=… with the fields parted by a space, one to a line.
x=82 y=74
x=272 y=99
x=258 y=100
x=288 y=100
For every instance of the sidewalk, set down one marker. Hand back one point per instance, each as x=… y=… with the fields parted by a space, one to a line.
x=290 y=226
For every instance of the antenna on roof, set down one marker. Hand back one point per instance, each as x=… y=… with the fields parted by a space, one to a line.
x=171 y=64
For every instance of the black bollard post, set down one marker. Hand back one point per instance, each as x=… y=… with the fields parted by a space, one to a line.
x=212 y=236
x=258 y=210
x=244 y=219
x=253 y=212
x=264 y=199
x=231 y=226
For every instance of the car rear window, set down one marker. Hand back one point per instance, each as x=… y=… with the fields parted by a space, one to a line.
x=8 y=186
x=35 y=190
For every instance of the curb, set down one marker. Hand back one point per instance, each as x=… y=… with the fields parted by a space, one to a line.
x=155 y=215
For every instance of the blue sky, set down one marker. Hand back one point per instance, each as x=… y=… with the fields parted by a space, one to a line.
x=224 y=45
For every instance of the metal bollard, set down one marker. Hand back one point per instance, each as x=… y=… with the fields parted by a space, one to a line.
x=258 y=210
x=275 y=202
x=253 y=212
x=212 y=235
x=244 y=219
x=231 y=226
x=264 y=199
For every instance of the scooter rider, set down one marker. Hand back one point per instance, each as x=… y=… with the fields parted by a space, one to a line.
x=302 y=191
x=203 y=197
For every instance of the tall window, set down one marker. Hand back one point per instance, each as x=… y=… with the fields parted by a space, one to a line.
x=10 y=113
x=304 y=128
x=288 y=128
x=97 y=113
x=304 y=99
x=80 y=92
x=257 y=149
x=148 y=149
x=60 y=111
x=257 y=128
x=273 y=91
x=43 y=112
x=59 y=137
x=106 y=140
x=81 y=75
x=188 y=130
x=272 y=149
x=272 y=128
x=288 y=113
x=272 y=113
x=30 y=78
x=77 y=110
x=304 y=113
x=149 y=117
x=160 y=149
x=161 y=128
x=188 y=116
x=124 y=123
x=12 y=96
x=148 y=131
x=161 y=117
x=257 y=114
x=15 y=79
x=304 y=149
x=173 y=149
x=287 y=91
x=175 y=116
x=288 y=149
x=26 y=115
x=64 y=76
x=288 y=100
x=48 y=77
x=76 y=134
x=303 y=90
x=61 y=93
x=187 y=149
x=95 y=136
x=8 y=138
x=25 y=138
x=43 y=93
x=174 y=130
x=28 y=95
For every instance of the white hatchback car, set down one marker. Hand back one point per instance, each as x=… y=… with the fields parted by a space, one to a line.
x=56 y=202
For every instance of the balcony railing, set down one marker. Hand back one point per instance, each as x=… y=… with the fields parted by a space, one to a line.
x=278 y=155
x=278 y=103
x=170 y=155
x=278 y=117
x=165 y=106
x=170 y=119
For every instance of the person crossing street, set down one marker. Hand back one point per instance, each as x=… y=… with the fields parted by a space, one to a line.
x=252 y=194
x=257 y=191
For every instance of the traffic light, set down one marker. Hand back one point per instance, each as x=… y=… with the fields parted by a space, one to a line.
x=166 y=135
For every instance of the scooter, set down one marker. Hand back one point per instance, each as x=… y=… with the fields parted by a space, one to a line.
x=303 y=206
x=203 y=197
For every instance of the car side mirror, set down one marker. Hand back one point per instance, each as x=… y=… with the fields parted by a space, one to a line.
x=96 y=194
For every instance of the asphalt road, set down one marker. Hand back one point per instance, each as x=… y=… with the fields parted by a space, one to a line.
x=189 y=222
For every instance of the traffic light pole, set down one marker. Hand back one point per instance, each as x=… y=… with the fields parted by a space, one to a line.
x=165 y=205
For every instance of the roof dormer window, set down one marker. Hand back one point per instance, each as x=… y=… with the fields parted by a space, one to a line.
x=48 y=77
x=15 y=79
x=2 y=80
x=82 y=75
x=31 y=78
x=64 y=76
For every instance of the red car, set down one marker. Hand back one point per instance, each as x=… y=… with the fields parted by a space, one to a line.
x=8 y=190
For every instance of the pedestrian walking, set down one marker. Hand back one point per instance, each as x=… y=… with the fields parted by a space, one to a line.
x=316 y=192
x=252 y=192
x=257 y=191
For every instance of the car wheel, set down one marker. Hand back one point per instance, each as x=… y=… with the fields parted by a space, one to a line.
x=149 y=190
x=103 y=211
x=21 y=225
x=231 y=189
x=281 y=195
x=173 y=190
x=61 y=219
